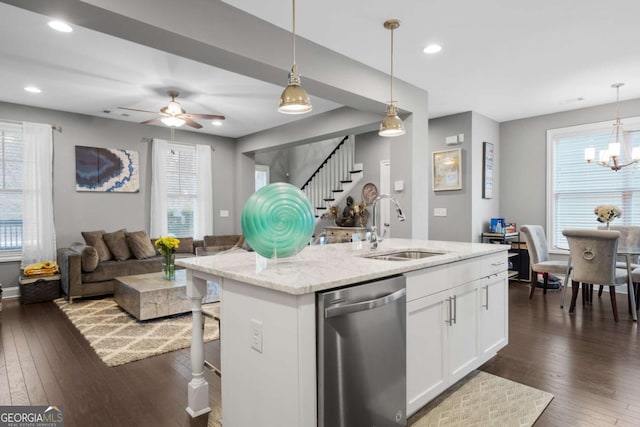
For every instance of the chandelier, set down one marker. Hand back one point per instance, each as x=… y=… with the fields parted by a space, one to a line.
x=610 y=158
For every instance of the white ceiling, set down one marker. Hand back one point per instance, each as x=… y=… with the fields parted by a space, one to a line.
x=502 y=58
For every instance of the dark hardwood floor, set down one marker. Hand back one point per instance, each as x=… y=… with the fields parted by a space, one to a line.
x=590 y=364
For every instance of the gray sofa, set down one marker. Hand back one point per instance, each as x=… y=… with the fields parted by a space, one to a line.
x=80 y=277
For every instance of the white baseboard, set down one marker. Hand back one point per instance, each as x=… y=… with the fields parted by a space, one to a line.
x=9 y=293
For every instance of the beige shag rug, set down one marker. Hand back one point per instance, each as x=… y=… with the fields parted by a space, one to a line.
x=481 y=399
x=118 y=338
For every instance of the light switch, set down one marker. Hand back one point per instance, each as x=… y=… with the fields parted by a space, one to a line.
x=461 y=137
x=224 y=214
x=439 y=211
x=398 y=185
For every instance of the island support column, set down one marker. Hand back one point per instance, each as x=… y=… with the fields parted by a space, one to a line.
x=198 y=389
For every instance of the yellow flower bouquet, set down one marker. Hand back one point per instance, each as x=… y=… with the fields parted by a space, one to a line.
x=167 y=246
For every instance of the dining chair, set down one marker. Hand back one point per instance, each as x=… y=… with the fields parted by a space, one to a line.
x=593 y=260
x=539 y=258
x=630 y=238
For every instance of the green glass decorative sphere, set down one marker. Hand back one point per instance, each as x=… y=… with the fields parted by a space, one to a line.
x=277 y=220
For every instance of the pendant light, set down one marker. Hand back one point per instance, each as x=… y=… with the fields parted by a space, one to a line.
x=294 y=99
x=392 y=124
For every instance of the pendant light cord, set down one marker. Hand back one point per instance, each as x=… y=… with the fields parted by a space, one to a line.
x=293 y=33
x=391 y=100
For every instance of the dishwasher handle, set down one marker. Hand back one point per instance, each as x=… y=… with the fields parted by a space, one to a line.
x=340 y=310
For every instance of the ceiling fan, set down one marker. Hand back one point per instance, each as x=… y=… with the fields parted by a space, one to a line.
x=174 y=115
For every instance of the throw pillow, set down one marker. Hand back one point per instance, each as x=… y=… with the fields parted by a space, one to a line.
x=140 y=244
x=89 y=259
x=186 y=245
x=117 y=243
x=96 y=239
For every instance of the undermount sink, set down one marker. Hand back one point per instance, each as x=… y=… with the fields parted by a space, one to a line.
x=405 y=255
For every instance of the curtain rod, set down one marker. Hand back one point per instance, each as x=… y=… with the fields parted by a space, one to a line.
x=57 y=128
x=150 y=139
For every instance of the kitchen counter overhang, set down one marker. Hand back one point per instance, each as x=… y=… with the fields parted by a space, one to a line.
x=322 y=267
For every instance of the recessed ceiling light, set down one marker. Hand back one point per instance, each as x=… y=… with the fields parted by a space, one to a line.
x=432 y=48
x=217 y=122
x=32 y=89
x=63 y=27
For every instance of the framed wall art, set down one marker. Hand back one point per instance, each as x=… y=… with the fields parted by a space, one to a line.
x=487 y=170
x=107 y=170
x=447 y=170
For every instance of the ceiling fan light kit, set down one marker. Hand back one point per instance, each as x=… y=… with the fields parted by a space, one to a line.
x=294 y=99
x=173 y=115
x=172 y=121
x=392 y=124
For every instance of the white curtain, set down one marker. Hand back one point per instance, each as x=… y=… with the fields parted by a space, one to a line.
x=38 y=230
x=204 y=221
x=159 y=225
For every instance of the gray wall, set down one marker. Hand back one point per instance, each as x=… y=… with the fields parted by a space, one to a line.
x=80 y=211
x=484 y=129
x=278 y=162
x=456 y=226
x=523 y=158
x=305 y=159
x=468 y=214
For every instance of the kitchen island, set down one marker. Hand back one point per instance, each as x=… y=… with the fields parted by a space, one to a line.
x=268 y=328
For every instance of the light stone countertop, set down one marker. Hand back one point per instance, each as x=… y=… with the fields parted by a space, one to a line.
x=322 y=267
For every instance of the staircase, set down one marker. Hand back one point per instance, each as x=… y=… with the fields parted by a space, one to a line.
x=335 y=177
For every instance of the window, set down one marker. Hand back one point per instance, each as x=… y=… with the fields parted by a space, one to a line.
x=575 y=187
x=262 y=176
x=182 y=189
x=10 y=190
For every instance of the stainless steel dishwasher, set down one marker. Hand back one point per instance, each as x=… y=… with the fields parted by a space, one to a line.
x=361 y=355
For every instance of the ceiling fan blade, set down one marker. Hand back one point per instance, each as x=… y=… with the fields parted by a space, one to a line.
x=202 y=116
x=191 y=122
x=146 y=122
x=135 y=109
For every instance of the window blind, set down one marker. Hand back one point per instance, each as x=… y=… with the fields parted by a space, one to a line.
x=10 y=189
x=182 y=190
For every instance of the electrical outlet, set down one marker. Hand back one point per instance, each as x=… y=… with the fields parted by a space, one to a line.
x=256 y=335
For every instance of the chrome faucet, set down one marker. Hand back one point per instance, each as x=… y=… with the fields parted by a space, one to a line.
x=374 y=233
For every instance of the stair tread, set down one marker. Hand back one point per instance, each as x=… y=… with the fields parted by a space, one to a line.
x=345 y=181
x=356 y=171
x=337 y=191
x=321 y=207
x=329 y=200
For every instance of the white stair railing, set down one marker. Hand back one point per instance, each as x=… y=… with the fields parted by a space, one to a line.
x=335 y=177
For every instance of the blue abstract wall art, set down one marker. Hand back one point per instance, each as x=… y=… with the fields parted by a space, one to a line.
x=107 y=170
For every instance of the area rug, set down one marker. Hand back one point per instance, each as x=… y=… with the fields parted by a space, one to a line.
x=118 y=338
x=481 y=399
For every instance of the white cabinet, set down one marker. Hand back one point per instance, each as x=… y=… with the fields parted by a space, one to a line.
x=452 y=331
x=427 y=337
x=494 y=315
x=463 y=330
